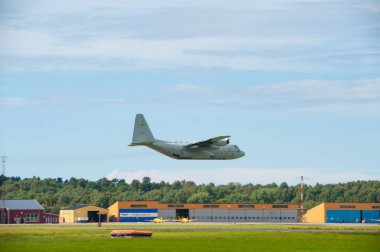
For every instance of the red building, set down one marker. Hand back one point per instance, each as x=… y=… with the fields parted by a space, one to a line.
x=25 y=211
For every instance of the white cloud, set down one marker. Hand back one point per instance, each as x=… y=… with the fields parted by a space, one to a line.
x=361 y=96
x=245 y=175
x=13 y=101
x=16 y=101
x=356 y=96
x=314 y=90
x=44 y=6
x=204 y=52
x=119 y=35
x=189 y=88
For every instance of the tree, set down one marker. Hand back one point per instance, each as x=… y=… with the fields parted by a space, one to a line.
x=146 y=185
x=200 y=197
x=54 y=194
x=238 y=198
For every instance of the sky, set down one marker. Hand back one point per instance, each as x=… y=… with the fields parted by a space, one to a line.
x=296 y=84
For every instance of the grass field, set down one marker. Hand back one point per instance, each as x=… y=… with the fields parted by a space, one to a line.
x=189 y=238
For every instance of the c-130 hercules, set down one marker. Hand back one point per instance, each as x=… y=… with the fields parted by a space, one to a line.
x=217 y=148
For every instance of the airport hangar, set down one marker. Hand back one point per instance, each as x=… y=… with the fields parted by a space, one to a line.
x=141 y=211
x=343 y=213
x=82 y=213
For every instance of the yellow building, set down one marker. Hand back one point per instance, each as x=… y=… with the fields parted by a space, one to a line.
x=343 y=213
x=83 y=213
x=141 y=211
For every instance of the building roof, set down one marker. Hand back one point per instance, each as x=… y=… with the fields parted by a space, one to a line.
x=231 y=206
x=348 y=206
x=15 y=204
x=75 y=207
x=51 y=214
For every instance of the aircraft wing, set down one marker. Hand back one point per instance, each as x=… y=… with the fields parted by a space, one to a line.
x=208 y=143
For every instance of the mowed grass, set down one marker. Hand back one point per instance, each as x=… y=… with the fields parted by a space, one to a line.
x=187 y=240
x=198 y=225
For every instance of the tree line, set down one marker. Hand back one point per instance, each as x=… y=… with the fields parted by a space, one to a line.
x=56 y=193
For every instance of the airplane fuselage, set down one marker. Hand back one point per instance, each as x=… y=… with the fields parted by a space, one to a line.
x=180 y=151
x=216 y=148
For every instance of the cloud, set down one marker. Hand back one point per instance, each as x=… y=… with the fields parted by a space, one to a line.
x=355 y=96
x=189 y=88
x=244 y=175
x=16 y=101
x=305 y=95
x=122 y=53
x=278 y=35
x=321 y=90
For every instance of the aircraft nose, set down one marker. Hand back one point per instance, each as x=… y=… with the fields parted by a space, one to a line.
x=242 y=153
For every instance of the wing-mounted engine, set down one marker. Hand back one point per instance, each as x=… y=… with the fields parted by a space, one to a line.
x=222 y=142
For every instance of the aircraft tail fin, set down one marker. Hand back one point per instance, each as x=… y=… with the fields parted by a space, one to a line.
x=141 y=133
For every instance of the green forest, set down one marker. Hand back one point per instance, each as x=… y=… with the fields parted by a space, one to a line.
x=55 y=193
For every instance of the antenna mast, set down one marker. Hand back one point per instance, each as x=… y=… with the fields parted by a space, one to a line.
x=3 y=210
x=301 y=209
x=301 y=191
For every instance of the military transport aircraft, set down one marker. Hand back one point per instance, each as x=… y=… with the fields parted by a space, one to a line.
x=217 y=148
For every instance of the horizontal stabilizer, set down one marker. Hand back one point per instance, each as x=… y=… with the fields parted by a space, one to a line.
x=141 y=143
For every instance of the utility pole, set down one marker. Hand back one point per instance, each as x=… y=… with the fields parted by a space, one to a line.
x=3 y=218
